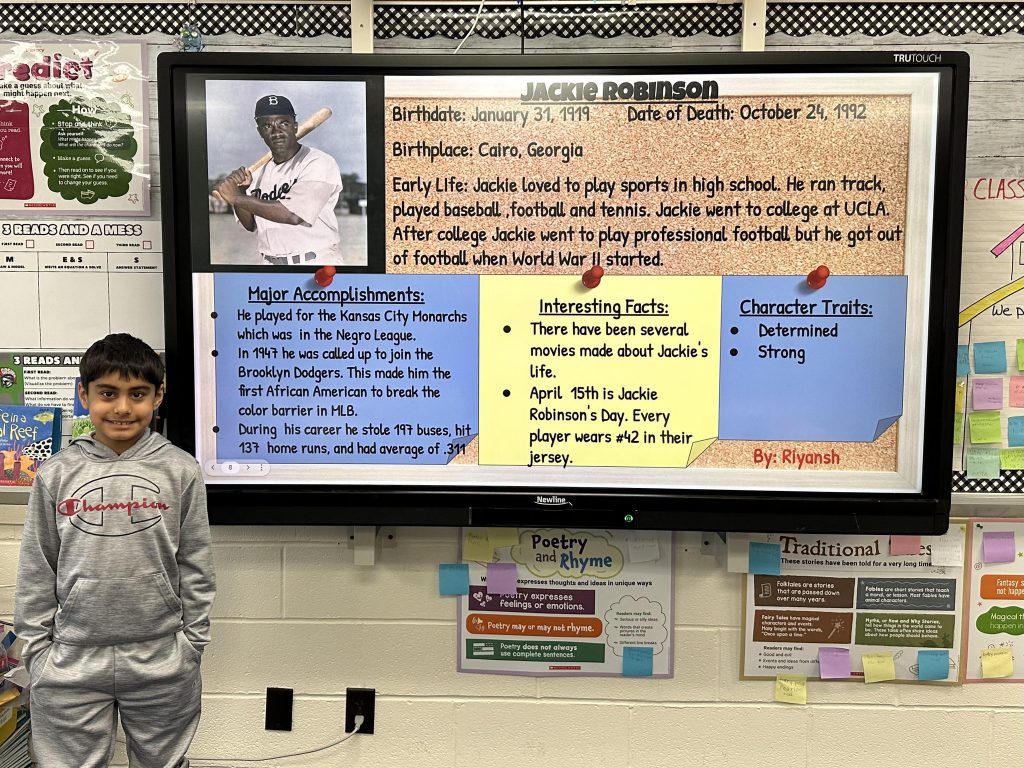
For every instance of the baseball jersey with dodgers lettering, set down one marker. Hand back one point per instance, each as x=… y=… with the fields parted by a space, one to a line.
x=308 y=185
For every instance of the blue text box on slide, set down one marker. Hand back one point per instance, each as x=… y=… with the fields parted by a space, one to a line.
x=397 y=359
x=848 y=387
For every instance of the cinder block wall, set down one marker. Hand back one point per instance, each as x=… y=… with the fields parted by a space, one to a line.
x=293 y=611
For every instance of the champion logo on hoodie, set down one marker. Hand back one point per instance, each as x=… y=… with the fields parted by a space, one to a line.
x=100 y=508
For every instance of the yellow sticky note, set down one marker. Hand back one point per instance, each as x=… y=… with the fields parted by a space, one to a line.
x=1020 y=354
x=1011 y=458
x=503 y=537
x=958 y=428
x=476 y=545
x=961 y=395
x=985 y=427
x=996 y=662
x=609 y=378
x=878 y=667
x=791 y=689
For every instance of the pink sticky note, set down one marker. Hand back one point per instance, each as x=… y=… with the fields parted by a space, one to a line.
x=988 y=394
x=502 y=578
x=998 y=547
x=904 y=545
x=1017 y=391
x=834 y=663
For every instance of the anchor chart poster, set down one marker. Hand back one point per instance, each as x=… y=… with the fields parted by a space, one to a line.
x=73 y=128
x=854 y=593
x=573 y=602
x=995 y=596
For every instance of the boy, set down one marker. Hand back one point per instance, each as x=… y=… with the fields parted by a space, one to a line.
x=115 y=579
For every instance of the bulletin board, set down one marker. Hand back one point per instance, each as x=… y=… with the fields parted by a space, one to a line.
x=74 y=141
x=66 y=284
x=988 y=451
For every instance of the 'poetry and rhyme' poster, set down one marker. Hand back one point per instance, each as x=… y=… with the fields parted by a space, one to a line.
x=556 y=601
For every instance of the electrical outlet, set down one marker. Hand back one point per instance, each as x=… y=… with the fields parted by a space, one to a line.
x=359 y=701
x=279 y=709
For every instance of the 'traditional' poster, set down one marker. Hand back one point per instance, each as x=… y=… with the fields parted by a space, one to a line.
x=855 y=594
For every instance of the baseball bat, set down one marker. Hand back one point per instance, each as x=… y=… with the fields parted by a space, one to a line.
x=308 y=125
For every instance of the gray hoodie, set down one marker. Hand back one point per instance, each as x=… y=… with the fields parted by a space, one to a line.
x=116 y=548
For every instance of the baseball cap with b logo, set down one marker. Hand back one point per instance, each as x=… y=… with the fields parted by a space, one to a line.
x=274 y=105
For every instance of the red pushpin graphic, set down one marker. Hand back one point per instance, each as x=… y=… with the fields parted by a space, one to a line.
x=592 y=277
x=324 y=276
x=816 y=277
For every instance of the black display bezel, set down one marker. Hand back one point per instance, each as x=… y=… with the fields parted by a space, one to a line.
x=926 y=512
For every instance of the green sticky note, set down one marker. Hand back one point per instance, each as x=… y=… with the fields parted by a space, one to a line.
x=1011 y=458
x=982 y=463
x=958 y=428
x=1020 y=354
x=985 y=427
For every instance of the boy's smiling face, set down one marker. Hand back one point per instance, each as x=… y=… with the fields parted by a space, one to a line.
x=121 y=409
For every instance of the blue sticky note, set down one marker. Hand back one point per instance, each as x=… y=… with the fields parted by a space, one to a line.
x=453 y=578
x=963 y=363
x=764 y=558
x=637 y=661
x=933 y=665
x=989 y=357
x=1015 y=432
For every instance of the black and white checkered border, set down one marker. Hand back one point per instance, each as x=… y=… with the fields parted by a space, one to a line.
x=912 y=20
x=606 y=20
x=283 y=20
x=1009 y=481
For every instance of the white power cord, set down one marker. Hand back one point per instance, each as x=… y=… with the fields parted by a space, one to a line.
x=472 y=27
x=359 y=720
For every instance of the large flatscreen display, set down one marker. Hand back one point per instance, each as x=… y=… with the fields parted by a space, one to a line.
x=710 y=291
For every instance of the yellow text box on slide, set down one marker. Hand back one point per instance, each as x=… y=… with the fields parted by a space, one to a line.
x=623 y=375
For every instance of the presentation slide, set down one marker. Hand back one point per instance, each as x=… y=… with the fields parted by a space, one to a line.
x=710 y=280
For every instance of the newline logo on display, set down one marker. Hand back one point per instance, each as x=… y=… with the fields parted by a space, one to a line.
x=553 y=501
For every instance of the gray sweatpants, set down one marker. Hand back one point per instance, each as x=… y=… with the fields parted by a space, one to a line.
x=78 y=692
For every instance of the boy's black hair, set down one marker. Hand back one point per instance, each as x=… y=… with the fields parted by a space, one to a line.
x=124 y=354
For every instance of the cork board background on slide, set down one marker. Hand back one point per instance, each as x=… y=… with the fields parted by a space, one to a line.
x=615 y=149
